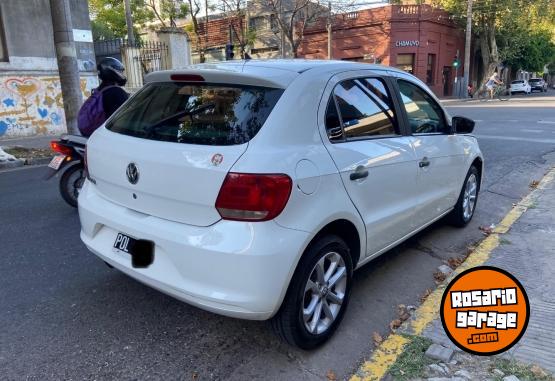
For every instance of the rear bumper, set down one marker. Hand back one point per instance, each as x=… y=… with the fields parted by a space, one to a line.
x=230 y=268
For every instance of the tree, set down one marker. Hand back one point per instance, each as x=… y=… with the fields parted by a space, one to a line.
x=293 y=16
x=108 y=18
x=522 y=48
x=503 y=21
x=236 y=11
x=194 y=10
x=167 y=11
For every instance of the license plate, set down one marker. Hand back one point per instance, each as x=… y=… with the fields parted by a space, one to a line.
x=56 y=161
x=141 y=251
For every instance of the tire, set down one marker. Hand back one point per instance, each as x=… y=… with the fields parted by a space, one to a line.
x=460 y=215
x=289 y=323
x=71 y=182
x=504 y=95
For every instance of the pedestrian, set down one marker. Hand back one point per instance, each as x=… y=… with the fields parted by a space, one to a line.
x=106 y=98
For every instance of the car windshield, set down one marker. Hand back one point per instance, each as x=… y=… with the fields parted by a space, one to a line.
x=208 y=114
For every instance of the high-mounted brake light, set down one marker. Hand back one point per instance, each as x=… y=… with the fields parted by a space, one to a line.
x=57 y=147
x=187 y=77
x=253 y=197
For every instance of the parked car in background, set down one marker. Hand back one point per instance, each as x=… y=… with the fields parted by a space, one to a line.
x=253 y=189
x=520 y=86
x=538 y=84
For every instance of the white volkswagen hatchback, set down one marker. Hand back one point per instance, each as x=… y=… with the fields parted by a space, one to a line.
x=253 y=189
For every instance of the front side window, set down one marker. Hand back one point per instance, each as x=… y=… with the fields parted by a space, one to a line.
x=207 y=114
x=424 y=114
x=363 y=113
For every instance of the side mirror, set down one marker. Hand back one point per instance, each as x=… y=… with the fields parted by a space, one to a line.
x=462 y=125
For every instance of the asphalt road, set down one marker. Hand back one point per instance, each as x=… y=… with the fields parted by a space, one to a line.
x=65 y=315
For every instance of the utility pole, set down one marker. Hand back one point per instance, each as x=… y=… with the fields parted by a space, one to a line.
x=67 y=62
x=282 y=35
x=129 y=23
x=329 y=31
x=466 y=75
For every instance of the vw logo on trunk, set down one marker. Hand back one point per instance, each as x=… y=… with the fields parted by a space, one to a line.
x=132 y=173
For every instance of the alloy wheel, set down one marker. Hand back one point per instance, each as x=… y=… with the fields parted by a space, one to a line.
x=324 y=293
x=469 y=198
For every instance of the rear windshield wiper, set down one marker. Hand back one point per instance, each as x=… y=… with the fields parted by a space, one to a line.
x=161 y=123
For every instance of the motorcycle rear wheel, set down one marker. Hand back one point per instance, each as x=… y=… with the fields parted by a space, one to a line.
x=71 y=182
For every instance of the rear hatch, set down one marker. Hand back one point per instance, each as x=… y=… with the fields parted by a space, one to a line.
x=167 y=151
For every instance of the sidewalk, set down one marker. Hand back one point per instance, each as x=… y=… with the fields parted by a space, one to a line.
x=29 y=142
x=524 y=245
x=18 y=152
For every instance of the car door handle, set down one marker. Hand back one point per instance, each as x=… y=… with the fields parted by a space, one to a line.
x=359 y=173
x=424 y=163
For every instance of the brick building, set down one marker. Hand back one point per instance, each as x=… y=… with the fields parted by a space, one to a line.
x=416 y=38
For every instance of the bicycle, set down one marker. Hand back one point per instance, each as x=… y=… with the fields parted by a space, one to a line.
x=499 y=91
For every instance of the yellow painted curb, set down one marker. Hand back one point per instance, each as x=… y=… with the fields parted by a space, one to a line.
x=389 y=350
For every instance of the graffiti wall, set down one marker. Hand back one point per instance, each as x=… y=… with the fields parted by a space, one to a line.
x=33 y=105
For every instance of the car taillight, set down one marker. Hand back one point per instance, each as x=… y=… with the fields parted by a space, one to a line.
x=253 y=197
x=60 y=148
x=86 y=166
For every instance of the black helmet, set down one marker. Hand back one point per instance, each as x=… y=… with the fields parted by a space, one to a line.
x=111 y=70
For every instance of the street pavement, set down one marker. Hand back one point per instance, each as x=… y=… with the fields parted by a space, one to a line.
x=65 y=315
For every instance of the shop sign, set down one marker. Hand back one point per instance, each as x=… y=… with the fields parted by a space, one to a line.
x=405 y=43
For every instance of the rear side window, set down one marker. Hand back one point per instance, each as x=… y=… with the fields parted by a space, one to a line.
x=365 y=110
x=207 y=114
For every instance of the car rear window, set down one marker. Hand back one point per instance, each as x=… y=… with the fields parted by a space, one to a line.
x=517 y=82
x=207 y=114
x=535 y=80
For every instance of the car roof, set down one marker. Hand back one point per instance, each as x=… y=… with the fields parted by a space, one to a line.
x=271 y=72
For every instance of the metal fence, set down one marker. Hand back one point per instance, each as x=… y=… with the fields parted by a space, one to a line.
x=140 y=59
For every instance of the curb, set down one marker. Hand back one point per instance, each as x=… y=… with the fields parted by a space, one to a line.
x=11 y=164
x=386 y=354
x=20 y=162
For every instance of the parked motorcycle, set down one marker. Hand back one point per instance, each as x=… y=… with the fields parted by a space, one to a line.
x=69 y=163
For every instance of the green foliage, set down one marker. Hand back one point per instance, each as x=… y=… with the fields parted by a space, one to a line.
x=173 y=9
x=523 y=48
x=108 y=17
x=524 y=30
x=412 y=362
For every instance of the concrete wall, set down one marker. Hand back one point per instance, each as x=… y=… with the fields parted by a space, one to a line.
x=30 y=95
x=28 y=31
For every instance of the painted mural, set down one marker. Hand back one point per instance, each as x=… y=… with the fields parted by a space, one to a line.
x=33 y=105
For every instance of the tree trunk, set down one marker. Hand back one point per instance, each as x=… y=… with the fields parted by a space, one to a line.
x=488 y=46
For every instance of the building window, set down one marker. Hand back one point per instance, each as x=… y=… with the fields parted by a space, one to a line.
x=258 y=23
x=431 y=69
x=406 y=62
x=273 y=22
x=264 y=50
x=3 y=50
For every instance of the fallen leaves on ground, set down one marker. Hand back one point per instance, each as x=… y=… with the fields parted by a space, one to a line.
x=378 y=339
x=534 y=184
x=425 y=295
x=439 y=276
x=455 y=262
x=487 y=230
x=330 y=376
x=23 y=152
x=394 y=324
